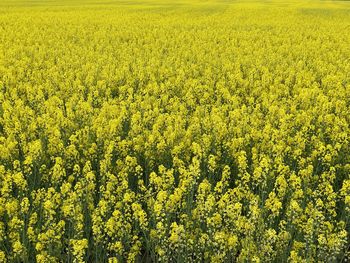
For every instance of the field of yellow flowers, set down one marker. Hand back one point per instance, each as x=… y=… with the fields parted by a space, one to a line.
x=167 y=131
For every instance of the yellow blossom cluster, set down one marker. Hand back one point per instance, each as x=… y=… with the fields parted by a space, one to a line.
x=150 y=131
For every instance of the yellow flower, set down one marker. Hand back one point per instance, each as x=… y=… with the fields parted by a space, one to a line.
x=273 y=204
x=113 y=260
x=176 y=234
x=79 y=248
x=17 y=247
x=232 y=242
x=19 y=180
x=2 y=257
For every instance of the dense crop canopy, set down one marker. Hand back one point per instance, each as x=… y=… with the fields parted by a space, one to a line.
x=187 y=132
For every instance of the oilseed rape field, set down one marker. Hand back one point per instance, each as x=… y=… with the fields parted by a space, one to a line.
x=174 y=131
